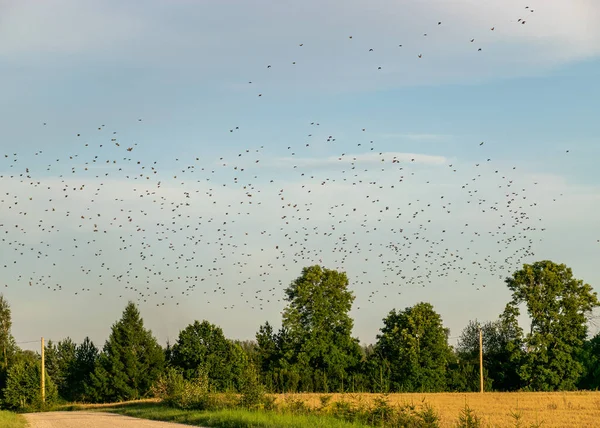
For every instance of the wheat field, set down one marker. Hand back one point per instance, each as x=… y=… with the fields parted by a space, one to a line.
x=496 y=409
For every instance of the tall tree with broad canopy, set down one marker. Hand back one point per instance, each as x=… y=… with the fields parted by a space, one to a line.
x=130 y=362
x=319 y=329
x=414 y=343
x=203 y=345
x=558 y=306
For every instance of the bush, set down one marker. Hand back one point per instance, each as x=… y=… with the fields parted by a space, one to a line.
x=325 y=399
x=295 y=405
x=381 y=413
x=270 y=402
x=173 y=390
x=253 y=392
x=429 y=416
x=344 y=410
x=404 y=416
x=468 y=419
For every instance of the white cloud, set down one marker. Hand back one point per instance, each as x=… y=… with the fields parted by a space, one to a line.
x=66 y=27
x=234 y=40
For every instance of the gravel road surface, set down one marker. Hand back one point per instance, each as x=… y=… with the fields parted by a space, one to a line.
x=92 y=420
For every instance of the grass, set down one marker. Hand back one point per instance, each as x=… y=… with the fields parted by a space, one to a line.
x=228 y=418
x=11 y=420
x=493 y=409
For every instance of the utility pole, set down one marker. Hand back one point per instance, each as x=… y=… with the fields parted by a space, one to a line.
x=43 y=375
x=480 y=360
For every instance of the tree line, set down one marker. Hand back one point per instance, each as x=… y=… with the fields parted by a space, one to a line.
x=314 y=350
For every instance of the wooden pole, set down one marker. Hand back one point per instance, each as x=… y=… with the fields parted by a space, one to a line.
x=43 y=375
x=480 y=360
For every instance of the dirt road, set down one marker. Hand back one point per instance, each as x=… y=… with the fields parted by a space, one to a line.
x=91 y=420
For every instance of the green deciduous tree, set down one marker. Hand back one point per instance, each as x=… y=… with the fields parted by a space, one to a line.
x=203 y=346
x=502 y=352
x=22 y=390
x=250 y=348
x=558 y=306
x=8 y=347
x=130 y=362
x=318 y=329
x=5 y=325
x=378 y=370
x=415 y=344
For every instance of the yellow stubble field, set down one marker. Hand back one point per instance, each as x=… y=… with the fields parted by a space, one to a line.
x=548 y=409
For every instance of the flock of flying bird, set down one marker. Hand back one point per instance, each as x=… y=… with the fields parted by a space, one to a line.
x=159 y=231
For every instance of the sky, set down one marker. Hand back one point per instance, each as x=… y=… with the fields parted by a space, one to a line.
x=378 y=154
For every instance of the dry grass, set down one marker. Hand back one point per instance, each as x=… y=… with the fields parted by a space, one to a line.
x=548 y=409
x=84 y=406
x=552 y=409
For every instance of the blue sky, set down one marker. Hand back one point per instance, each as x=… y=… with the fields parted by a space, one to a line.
x=183 y=67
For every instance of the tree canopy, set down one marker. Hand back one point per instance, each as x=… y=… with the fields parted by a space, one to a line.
x=5 y=326
x=558 y=306
x=319 y=328
x=314 y=350
x=22 y=389
x=502 y=352
x=414 y=343
x=79 y=376
x=203 y=346
x=60 y=358
x=130 y=362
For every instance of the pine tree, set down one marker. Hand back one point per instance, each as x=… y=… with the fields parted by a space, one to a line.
x=130 y=362
x=79 y=377
x=59 y=357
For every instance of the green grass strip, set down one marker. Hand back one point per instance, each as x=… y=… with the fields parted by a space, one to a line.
x=230 y=418
x=11 y=420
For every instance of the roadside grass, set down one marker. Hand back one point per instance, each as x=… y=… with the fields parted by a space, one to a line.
x=70 y=407
x=492 y=410
x=11 y=420
x=227 y=418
